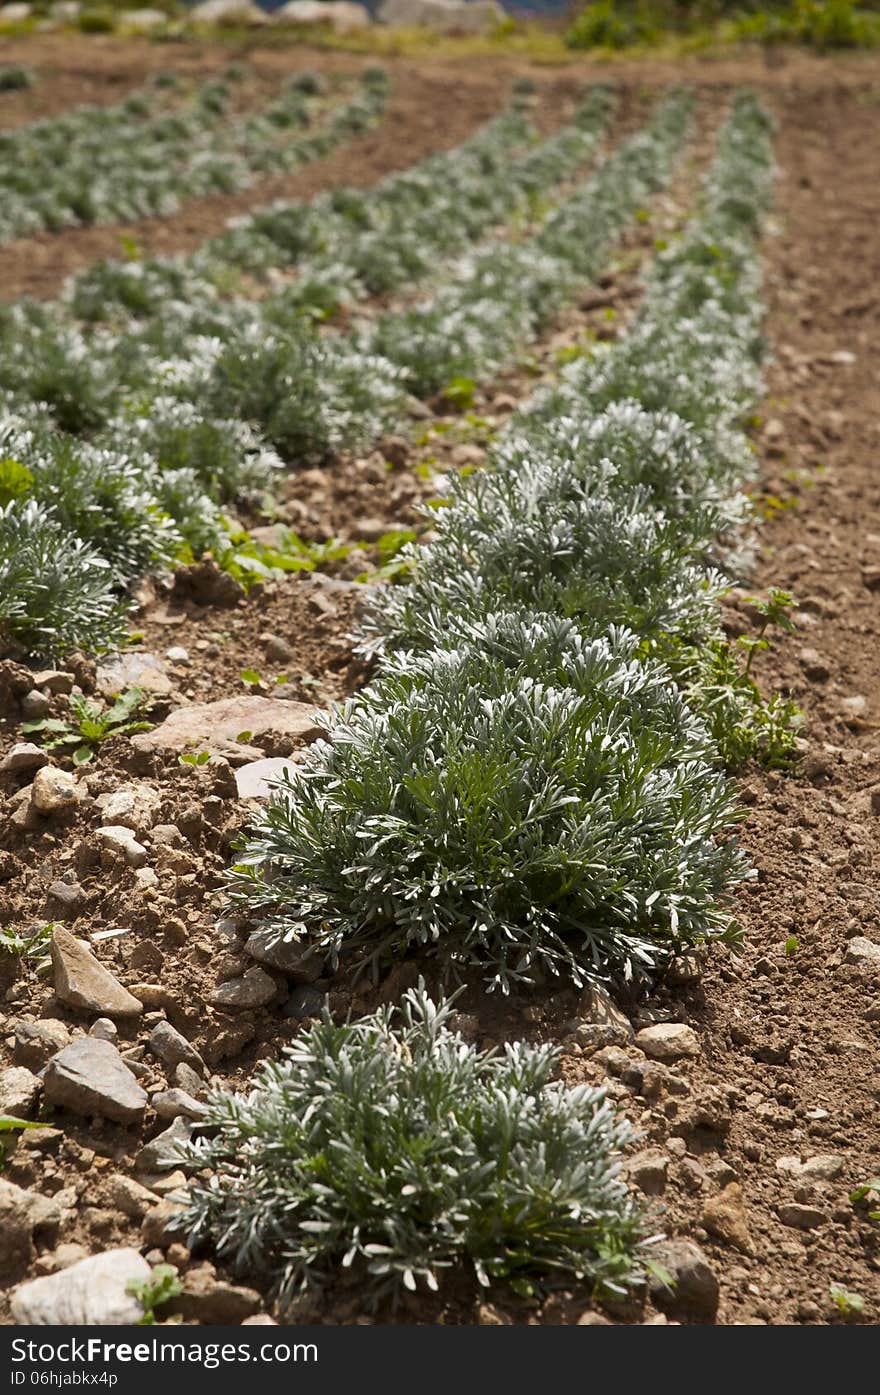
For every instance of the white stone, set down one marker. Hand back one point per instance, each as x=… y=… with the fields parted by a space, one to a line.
x=668 y=1041
x=91 y=1293
x=227 y=12
x=24 y=755
x=343 y=16
x=448 y=16
x=135 y=805
x=54 y=791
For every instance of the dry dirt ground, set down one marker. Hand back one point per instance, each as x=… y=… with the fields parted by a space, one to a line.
x=787 y=1023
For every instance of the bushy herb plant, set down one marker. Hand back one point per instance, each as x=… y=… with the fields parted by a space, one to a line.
x=388 y=1150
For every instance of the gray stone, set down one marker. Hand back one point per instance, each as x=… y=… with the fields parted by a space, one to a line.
x=216 y=726
x=163 y=1151
x=175 y=1103
x=129 y=1196
x=82 y=982
x=71 y=896
x=135 y=806
x=133 y=670
x=861 y=950
x=668 y=1041
x=121 y=842
x=36 y=1042
x=164 y=1223
x=289 y=957
x=54 y=791
x=55 y=680
x=142 y=21
x=19 y=1092
x=822 y=1167
x=16 y=12
x=23 y=757
x=694 y=1291
x=90 y=1077
x=34 y=704
x=91 y=1293
x=187 y=1079
x=104 y=1030
x=171 y=1048
x=23 y=1216
x=227 y=12
x=304 y=1002
x=254 y=989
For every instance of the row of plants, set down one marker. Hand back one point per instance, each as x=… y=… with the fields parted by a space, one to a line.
x=163 y=455
x=132 y=160
x=525 y=790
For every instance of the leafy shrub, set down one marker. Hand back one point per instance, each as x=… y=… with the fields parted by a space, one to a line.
x=387 y=1149
x=14 y=77
x=526 y=799
x=56 y=592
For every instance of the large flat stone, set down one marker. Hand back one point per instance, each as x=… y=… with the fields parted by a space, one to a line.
x=90 y=1077
x=213 y=726
x=82 y=982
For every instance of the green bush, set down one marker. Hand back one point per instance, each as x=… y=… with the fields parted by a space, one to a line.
x=522 y=800
x=14 y=77
x=388 y=1150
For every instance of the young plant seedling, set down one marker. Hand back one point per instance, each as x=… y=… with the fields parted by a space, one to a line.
x=162 y=1285
x=92 y=724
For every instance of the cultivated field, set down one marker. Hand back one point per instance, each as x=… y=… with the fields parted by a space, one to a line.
x=438 y=556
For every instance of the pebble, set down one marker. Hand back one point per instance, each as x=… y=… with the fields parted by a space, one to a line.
x=54 y=791
x=162 y=1152
x=55 y=680
x=256 y=779
x=92 y=1292
x=19 y=1092
x=119 y=839
x=177 y=654
x=305 y=1002
x=861 y=950
x=695 y=1288
x=90 y=1077
x=668 y=1041
x=36 y=1042
x=24 y=756
x=82 y=981
x=254 y=989
x=23 y=1215
x=801 y=1217
x=172 y=1048
x=648 y=1171
x=134 y=806
x=174 y=1103
x=290 y=957
x=34 y=706
x=207 y=1299
x=103 y=1029
x=725 y=1216
x=164 y=1223
x=129 y=1196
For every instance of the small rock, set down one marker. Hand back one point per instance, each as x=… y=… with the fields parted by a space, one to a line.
x=90 y=1077
x=187 y=1079
x=801 y=1217
x=292 y=958
x=128 y=1196
x=822 y=1167
x=254 y=989
x=54 y=791
x=725 y=1216
x=177 y=654
x=34 y=706
x=103 y=1029
x=164 y=1223
x=255 y=780
x=69 y=895
x=23 y=1216
x=60 y=1258
x=82 y=982
x=172 y=1048
x=668 y=1041
x=19 y=1092
x=163 y=1151
x=172 y=1104
x=133 y=806
x=132 y=670
x=93 y=1292
x=54 y=680
x=305 y=1002
x=36 y=1042
x=684 y=970
x=861 y=950
x=120 y=840
x=814 y=666
x=210 y=1300
x=23 y=757
x=596 y=1007
x=695 y=1288
x=648 y=1171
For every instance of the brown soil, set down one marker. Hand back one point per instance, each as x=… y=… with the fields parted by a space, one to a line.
x=787 y=1030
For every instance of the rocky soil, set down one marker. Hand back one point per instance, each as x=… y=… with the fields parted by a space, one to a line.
x=752 y=1074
